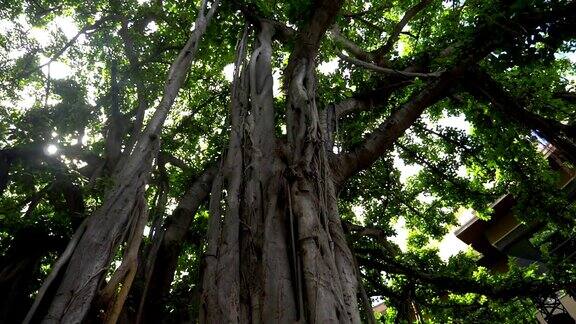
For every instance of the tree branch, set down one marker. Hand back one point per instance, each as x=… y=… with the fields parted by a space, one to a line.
x=379 y=69
x=459 y=284
x=484 y=87
x=462 y=146
x=308 y=39
x=167 y=243
x=383 y=138
x=411 y=13
x=567 y=96
x=254 y=15
x=368 y=100
x=468 y=54
x=350 y=46
x=135 y=63
x=169 y=158
x=66 y=46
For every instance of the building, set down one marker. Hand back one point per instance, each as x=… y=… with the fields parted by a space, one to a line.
x=504 y=236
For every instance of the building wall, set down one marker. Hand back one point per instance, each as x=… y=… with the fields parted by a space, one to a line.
x=568 y=302
x=570 y=305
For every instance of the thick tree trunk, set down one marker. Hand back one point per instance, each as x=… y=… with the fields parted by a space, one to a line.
x=276 y=249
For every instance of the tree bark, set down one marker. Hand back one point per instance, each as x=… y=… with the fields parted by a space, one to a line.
x=276 y=249
x=159 y=264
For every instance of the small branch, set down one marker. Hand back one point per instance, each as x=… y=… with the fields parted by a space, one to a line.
x=448 y=139
x=484 y=87
x=379 y=235
x=370 y=99
x=379 y=8
x=432 y=167
x=135 y=65
x=566 y=96
x=169 y=158
x=349 y=45
x=459 y=284
x=379 y=69
x=411 y=13
x=66 y=46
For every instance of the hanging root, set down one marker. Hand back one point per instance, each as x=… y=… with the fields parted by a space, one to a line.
x=123 y=277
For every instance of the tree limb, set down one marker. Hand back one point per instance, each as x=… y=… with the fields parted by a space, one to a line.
x=383 y=138
x=468 y=54
x=350 y=46
x=169 y=158
x=461 y=285
x=411 y=13
x=568 y=96
x=167 y=244
x=483 y=86
x=308 y=39
x=379 y=69
x=66 y=46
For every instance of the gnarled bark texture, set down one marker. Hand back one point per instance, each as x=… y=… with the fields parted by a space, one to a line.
x=276 y=249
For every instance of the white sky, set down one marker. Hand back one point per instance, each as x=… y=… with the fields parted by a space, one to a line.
x=450 y=245
x=328 y=67
x=58 y=69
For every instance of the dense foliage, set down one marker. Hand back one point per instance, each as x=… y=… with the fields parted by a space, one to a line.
x=79 y=79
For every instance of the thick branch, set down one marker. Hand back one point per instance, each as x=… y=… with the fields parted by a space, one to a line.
x=350 y=46
x=483 y=42
x=104 y=231
x=167 y=247
x=468 y=54
x=383 y=138
x=308 y=39
x=169 y=158
x=566 y=95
